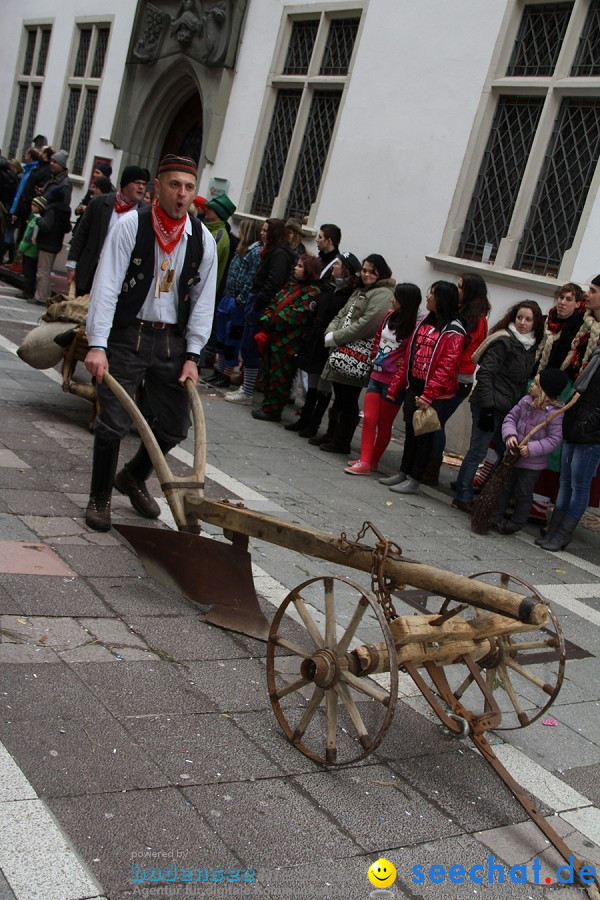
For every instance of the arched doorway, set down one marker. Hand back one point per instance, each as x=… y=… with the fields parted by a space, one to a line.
x=184 y=137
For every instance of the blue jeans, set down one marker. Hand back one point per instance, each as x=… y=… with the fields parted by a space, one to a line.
x=439 y=437
x=480 y=441
x=577 y=469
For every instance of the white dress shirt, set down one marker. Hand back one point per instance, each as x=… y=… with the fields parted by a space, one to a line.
x=110 y=274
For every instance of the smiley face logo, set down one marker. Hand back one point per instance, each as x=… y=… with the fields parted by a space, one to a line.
x=381 y=873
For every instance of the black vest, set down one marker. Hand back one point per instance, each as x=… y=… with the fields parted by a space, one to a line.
x=141 y=271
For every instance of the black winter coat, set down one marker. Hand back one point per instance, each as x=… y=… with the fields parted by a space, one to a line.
x=52 y=227
x=504 y=370
x=313 y=352
x=273 y=272
x=581 y=423
x=88 y=240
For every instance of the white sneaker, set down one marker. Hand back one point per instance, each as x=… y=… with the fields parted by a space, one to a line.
x=239 y=397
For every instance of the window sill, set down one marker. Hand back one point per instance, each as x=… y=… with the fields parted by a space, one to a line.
x=542 y=284
x=307 y=230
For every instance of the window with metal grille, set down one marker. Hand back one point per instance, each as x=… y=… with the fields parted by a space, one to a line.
x=543 y=147
x=539 y=39
x=561 y=192
x=83 y=87
x=304 y=112
x=587 y=58
x=499 y=180
x=28 y=85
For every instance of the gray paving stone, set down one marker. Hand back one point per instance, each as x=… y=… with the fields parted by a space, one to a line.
x=145 y=688
x=233 y=685
x=112 y=832
x=94 y=561
x=38 y=502
x=465 y=787
x=12 y=529
x=28 y=693
x=585 y=779
x=48 y=595
x=68 y=758
x=201 y=749
x=141 y=597
x=189 y=638
x=554 y=748
x=275 y=819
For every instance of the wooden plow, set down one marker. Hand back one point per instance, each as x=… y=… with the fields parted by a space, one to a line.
x=489 y=656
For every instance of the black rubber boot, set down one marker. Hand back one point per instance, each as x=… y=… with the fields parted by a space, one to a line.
x=432 y=470
x=553 y=526
x=317 y=440
x=305 y=413
x=317 y=416
x=562 y=536
x=104 y=466
x=343 y=434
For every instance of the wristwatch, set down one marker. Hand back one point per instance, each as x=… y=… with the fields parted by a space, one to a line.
x=193 y=357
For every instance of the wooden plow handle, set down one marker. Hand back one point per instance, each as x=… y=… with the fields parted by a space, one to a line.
x=174 y=486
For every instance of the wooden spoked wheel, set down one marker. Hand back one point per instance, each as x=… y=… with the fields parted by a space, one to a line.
x=326 y=707
x=526 y=670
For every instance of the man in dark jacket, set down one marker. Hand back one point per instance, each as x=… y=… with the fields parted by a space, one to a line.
x=52 y=227
x=60 y=176
x=101 y=214
x=328 y=244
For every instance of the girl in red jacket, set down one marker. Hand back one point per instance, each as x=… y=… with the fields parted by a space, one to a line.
x=391 y=343
x=429 y=374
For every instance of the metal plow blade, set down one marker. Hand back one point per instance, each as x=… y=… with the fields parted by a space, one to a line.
x=205 y=571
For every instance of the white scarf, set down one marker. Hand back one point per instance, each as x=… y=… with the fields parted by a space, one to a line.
x=528 y=340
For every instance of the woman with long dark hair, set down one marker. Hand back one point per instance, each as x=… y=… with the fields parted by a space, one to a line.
x=581 y=429
x=358 y=320
x=273 y=272
x=429 y=375
x=506 y=360
x=390 y=347
x=473 y=309
x=282 y=324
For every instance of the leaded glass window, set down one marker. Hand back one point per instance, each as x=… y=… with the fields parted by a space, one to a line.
x=301 y=46
x=539 y=39
x=28 y=85
x=500 y=174
x=565 y=180
x=70 y=118
x=85 y=130
x=587 y=59
x=276 y=150
x=304 y=113
x=85 y=39
x=313 y=153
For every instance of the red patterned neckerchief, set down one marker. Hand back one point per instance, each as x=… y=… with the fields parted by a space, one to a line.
x=168 y=231
x=121 y=204
x=554 y=325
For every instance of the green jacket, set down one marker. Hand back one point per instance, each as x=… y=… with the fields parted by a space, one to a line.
x=27 y=247
x=221 y=236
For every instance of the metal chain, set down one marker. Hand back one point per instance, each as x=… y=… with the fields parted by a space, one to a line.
x=381 y=585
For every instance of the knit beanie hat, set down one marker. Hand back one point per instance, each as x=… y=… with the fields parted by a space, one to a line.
x=133 y=173
x=223 y=207
x=553 y=382
x=61 y=157
x=349 y=262
x=105 y=168
x=173 y=163
x=40 y=203
x=596 y=281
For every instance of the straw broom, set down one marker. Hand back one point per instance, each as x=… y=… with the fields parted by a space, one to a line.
x=486 y=504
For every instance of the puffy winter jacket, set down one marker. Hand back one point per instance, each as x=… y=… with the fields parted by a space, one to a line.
x=441 y=381
x=519 y=422
x=505 y=366
x=581 y=424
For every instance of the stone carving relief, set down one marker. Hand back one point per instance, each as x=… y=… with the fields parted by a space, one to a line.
x=200 y=29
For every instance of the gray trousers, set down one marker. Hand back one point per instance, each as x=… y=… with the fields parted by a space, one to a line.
x=44 y=273
x=520 y=485
x=156 y=357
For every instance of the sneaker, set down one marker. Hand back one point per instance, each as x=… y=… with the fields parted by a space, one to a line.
x=358 y=468
x=136 y=490
x=390 y=480
x=239 y=397
x=409 y=486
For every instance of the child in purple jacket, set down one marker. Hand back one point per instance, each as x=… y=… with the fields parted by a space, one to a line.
x=542 y=400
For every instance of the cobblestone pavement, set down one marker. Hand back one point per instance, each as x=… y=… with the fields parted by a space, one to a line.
x=138 y=743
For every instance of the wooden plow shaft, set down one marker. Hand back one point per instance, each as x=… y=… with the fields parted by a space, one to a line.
x=323 y=545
